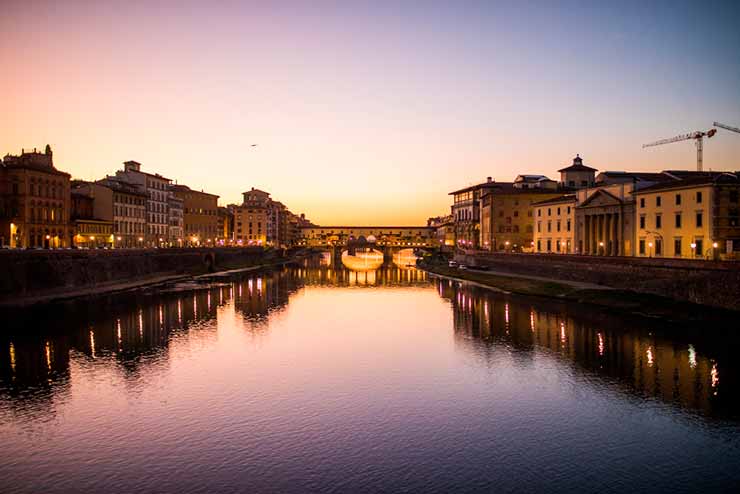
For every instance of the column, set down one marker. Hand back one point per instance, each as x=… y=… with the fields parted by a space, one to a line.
x=616 y=234
x=595 y=236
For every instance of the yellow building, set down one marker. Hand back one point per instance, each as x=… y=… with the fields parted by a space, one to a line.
x=250 y=225
x=697 y=217
x=507 y=216
x=555 y=225
x=200 y=215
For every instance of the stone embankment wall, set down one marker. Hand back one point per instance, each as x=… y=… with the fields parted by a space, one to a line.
x=715 y=283
x=27 y=273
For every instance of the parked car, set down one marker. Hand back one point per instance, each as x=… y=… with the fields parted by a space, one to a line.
x=462 y=267
x=453 y=264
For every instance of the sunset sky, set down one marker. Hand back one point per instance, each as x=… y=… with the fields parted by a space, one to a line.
x=366 y=112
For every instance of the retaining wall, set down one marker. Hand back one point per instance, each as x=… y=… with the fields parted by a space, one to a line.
x=24 y=273
x=714 y=283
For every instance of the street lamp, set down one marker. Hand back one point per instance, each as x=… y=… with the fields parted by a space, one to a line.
x=650 y=248
x=693 y=249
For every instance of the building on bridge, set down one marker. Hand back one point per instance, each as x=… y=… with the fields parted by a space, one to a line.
x=444 y=227
x=390 y=236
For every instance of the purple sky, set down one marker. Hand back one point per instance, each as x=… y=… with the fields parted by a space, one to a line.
x=367 y=112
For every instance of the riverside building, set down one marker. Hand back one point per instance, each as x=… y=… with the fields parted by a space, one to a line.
x=34 y=201
x=129 y=212
x=694 y=217
x=157 y=189
x=555 y=225
x=466 y=214
x=200 y=214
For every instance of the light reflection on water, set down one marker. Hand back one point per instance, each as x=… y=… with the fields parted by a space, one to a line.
x=316 y=378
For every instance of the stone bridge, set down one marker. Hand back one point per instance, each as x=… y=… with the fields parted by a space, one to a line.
x=386 y=239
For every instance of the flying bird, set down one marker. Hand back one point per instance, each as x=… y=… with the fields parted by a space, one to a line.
x=254 y=145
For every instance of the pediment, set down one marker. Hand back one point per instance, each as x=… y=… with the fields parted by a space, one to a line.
x=601 y=198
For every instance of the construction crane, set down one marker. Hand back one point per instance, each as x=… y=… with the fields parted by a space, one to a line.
x=726 y=127
x=698 y=138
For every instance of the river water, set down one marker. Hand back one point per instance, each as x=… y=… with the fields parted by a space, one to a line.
x=313 y=379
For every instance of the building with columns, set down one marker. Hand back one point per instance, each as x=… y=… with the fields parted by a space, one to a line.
x=605 y=221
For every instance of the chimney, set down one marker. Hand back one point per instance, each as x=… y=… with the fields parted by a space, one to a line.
x=489 y=179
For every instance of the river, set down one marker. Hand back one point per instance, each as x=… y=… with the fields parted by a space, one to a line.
x=313 y=379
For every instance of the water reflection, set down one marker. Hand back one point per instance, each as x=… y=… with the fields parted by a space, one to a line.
x=678 y=367
x=266 y=378
x=686 y=369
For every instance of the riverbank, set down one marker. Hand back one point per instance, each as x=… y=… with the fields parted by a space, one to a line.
x=34 y=278
x=608 y=298
x=714 y=284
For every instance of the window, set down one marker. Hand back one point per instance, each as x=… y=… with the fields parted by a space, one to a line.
x=557 y=226
x=699 y=219
x=539 y=227
x=699 y=251
x=568 y=226
x=678 y=220
x=516 y=213
x=642 y=202
x=558 y=211
x=657 y=201
x=698 y=197
x=658 y=247
x=733 y=196
x=678 y=199
x=642 y=246
x=732 y=213
x=642 y=221
x=549 y=245
x=677 y=247
x=549 y=212
x=539 y=246
x=539 y=212
x=549 y=226
x=658 y=221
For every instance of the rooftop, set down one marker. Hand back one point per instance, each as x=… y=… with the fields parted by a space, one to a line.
x=488 y=183
x=577 y=166
x=556 y=200
x=635 y=176
x=713 y=179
